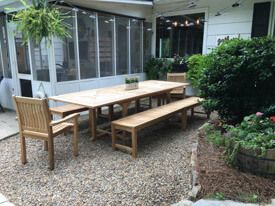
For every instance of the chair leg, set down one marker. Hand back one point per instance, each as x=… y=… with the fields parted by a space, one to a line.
x=45 y=145
x=75 y=139
x=134 y=143
x=51 y=153
x=23 y=150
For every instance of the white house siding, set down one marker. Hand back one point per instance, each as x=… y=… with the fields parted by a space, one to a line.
x=233 y=22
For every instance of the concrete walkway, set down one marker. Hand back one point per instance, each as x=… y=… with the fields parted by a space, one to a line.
x=4 y=201
x=8 y=124
x=216 y=203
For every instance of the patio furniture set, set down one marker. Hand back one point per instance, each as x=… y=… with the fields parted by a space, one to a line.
x=35 y=117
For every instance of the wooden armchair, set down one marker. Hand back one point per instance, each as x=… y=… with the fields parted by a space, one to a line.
x=34 y=120
x=178 y=93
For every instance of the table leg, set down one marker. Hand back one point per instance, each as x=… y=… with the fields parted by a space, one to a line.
x=92 y=117
x=111 y=112
x=137 y=105
x=168 y=97
x=125 y=106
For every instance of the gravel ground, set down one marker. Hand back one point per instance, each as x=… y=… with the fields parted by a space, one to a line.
x=99 y=176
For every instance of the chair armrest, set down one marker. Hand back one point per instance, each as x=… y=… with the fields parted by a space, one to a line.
x=65 y=119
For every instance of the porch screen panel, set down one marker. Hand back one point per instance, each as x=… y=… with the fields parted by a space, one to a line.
x=136 y=46
x=147 y=41
x=40 y=62
x=122 y=45
x=4 y=48
x=87 y=45
x=65 y=55
x=106 y=44
x=22 y=55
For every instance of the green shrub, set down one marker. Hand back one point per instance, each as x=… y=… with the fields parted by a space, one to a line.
x=240 y=78
x=196 y=65
x=157 y=68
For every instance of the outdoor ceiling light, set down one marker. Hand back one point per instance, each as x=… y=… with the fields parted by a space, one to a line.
x=149 y=29
x=182 y=25
x=186 y=22
x=192 y=5
x=168 y=21
x=106 y=21
x=84 y=12
x=218 y=14
x=75 y=9
x=92 y=16
x=111 y=20
x=236 y=4
x=169 y=28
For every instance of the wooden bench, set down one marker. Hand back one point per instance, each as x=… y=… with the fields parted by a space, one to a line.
x=67 y=109
x=141 y=120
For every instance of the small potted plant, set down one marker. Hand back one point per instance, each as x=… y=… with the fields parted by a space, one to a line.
x=131 y=83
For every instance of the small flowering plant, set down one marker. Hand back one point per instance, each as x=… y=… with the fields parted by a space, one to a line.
x=255 y=132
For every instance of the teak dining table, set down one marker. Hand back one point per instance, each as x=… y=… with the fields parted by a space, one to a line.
x=109 y=96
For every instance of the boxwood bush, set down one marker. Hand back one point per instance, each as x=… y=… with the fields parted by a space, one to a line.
x=240 y=78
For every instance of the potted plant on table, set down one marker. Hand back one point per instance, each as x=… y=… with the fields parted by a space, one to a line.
x=131 y=83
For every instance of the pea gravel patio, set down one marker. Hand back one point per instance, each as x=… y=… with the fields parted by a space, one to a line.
x=100 y=176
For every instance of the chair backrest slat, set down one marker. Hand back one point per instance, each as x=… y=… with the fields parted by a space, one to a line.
x=176 y=77
x=33 y=114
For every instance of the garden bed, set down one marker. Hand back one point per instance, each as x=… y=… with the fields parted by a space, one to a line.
x=220 y=181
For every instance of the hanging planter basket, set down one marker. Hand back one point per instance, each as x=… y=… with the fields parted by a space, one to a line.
x=40 y=20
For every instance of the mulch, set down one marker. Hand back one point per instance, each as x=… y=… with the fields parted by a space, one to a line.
x=215 y=176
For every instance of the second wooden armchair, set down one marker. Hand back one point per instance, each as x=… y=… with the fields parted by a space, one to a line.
x=34 y=120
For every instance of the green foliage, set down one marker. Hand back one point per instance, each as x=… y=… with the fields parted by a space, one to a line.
x=269 y=111
x=214 y=135
x=255 y=132
x=240 y=78
x=157 y=68
x=40 y=20
x=196 y=65
x=249 y=198
x=217 y=196
x=131 y=80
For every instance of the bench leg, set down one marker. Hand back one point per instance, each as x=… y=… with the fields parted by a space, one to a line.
x=184 y=119
x=192 y=112
x=134 y=143
x=113 y=137
x=137 y=105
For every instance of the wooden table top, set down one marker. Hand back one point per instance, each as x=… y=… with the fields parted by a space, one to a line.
x=117 y=94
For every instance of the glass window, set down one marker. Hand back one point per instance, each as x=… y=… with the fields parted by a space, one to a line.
x=5 y=64
x=39 y=54
x=179 y=35
x=22 y=54
x=122 y=45
x=136 y=46
x=106 y=44
x=87 y=45
x=147 y=41
x=65 y=54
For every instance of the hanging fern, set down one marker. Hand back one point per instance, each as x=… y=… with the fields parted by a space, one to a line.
x=41 y=20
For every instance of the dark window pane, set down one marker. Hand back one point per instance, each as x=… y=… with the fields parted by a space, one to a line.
x=136 y=46
x=122 y=45
x=260 y=22
x=87 y=45
x=179 y=35
x=106 y=44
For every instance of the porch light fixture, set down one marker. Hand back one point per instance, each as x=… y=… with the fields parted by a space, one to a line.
x=181 y=25
x=198 y=21
x=92 y=16
x=84 y=12
x=149 y=29
x=186 y=22
x=169 y=28
x=218 y=14
x=236 y=4
x=168 y=21
x=75 y=9
x=106 y=21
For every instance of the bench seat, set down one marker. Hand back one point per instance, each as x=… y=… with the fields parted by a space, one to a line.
x=147 y=118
